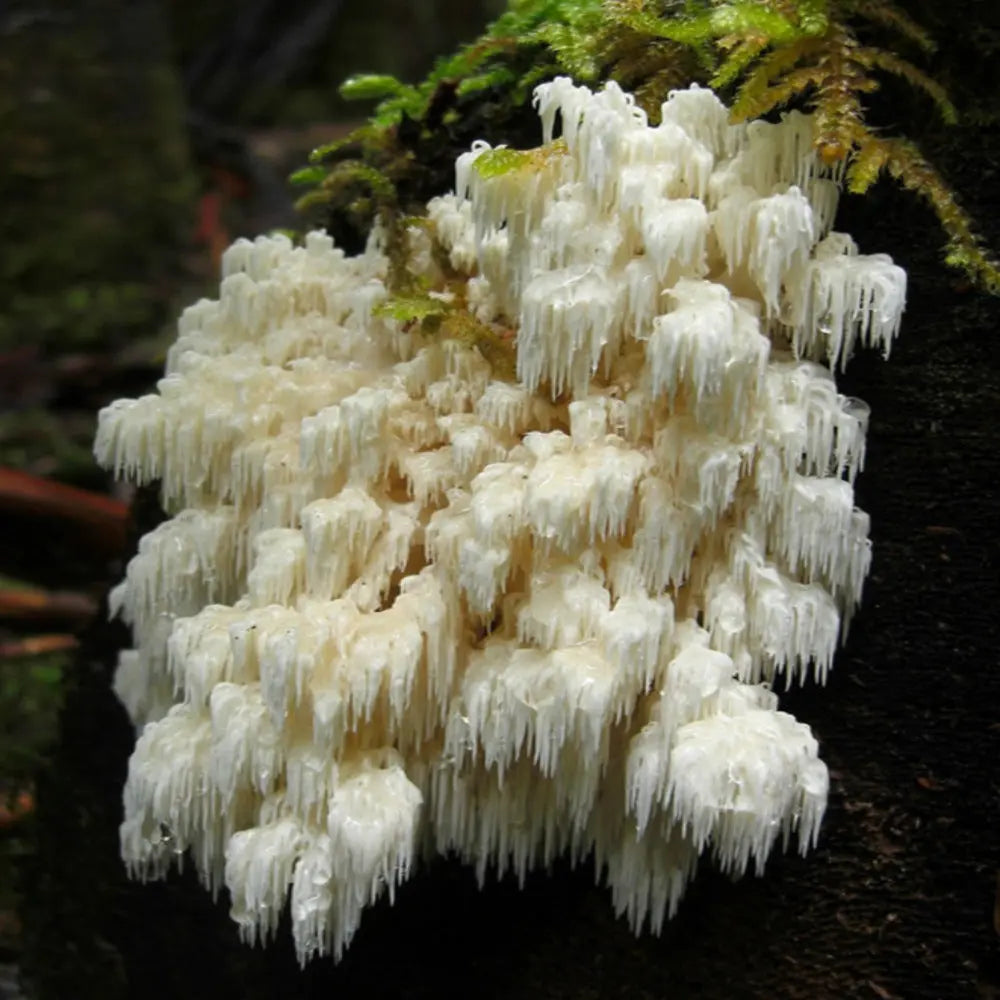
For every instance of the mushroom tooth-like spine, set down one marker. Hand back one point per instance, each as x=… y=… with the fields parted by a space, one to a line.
x=408 y=602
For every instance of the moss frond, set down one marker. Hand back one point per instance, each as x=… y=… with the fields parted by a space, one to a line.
x=743 y=53
x=412 y=308
x=494 y=343
x=499 y=161
x=778 y=53
x=497 y=76
x=866 y=165
x=496 y=162
x=888 y=15
x=907 y=165
x=572 y=41
x=313 y=174
x=447 y=317
x=692 y=31
x=748 y=18
x=649 y=67
x=371 y=87
x=888 y=62
x=755 y=102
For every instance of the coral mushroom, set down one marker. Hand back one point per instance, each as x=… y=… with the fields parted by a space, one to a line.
x=409 y=602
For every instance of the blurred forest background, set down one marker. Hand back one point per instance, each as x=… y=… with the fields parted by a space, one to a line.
x=137 y=139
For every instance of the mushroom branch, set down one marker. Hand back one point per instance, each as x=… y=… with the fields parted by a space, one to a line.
x=501 y=557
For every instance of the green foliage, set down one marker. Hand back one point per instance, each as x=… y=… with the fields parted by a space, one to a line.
x=415 y=131
x=370 y=87
x=305 y=176
x=776 y=53
x=500 y=161
x=763 y=55
x=964 y=250
x=556 y=27
x=449 y=318
x=496 y=162
x=412 y=308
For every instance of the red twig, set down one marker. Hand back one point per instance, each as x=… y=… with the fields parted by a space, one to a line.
x=107 y=519
x=37 y=645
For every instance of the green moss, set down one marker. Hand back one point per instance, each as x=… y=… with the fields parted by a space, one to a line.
x=495 y=162
x=763 y=55
x=766 y=55
x=412 y=308
x=371 y=87
x=481 y=91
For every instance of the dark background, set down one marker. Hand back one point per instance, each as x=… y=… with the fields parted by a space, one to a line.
x=898 y=900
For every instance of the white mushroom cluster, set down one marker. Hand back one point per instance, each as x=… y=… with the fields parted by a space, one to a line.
x=408 y=604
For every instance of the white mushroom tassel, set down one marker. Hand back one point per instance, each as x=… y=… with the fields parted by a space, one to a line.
x=514 y=593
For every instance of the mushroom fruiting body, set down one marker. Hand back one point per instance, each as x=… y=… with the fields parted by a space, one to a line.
x=405 y=604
